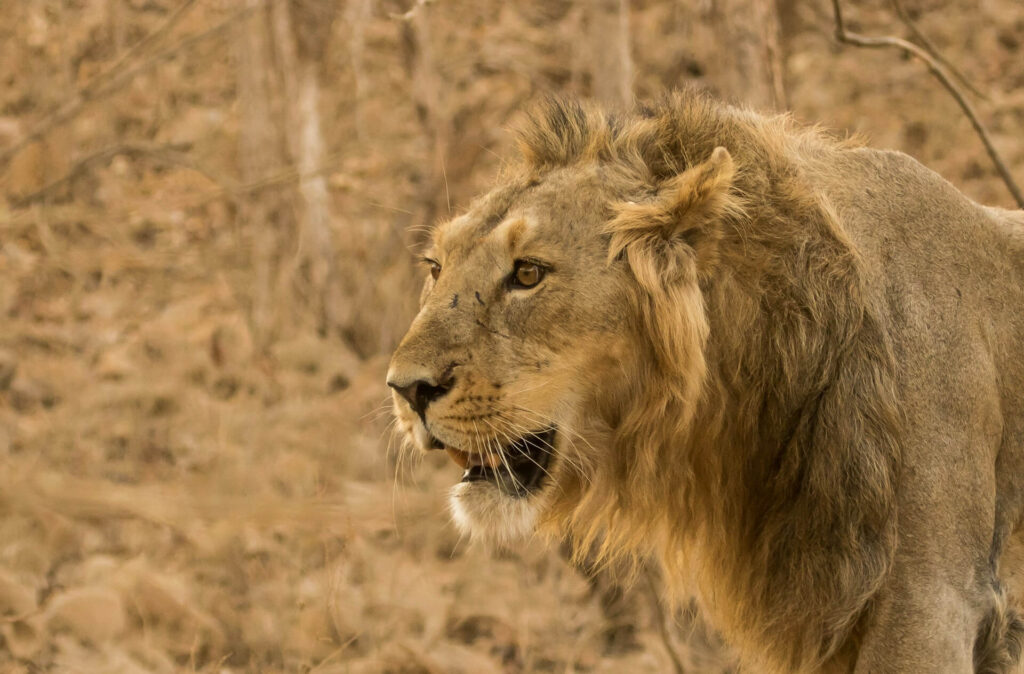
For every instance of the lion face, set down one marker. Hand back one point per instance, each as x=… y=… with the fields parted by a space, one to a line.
x=521 y=328
x=563 y=323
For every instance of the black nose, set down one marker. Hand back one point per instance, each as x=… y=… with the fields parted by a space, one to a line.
x=421 y=393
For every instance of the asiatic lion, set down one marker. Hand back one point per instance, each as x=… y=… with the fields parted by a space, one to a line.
x=788 y=368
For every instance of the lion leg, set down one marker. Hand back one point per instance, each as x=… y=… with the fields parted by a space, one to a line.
x=997 y=649
x=918 y=627
x=1002 y=639
x=942 y=596
x=942 y=607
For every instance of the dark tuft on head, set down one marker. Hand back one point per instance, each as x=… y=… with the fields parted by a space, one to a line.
x=662 y=135
x=558 y=132
x=658 y=140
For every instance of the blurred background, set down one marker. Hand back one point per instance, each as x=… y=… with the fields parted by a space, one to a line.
x=210 y=215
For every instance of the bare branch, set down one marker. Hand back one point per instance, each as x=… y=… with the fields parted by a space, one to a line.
x=165 y=154
x=140 y=46
x=936 y=68
x=659 y=613
x=110 y=81
x=897 y=5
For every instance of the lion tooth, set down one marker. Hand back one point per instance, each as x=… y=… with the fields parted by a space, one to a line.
x=459 y=457
x=488 y=460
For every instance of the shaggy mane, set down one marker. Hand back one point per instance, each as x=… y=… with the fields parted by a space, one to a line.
x=757 y=464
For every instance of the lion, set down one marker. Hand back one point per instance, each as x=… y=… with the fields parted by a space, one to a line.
x=785 y=368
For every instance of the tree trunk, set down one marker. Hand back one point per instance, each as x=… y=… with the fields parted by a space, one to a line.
x=357 y=15
x=611 y=61
x=259 y=154
x=300 y=35
x=435 y=118
x=747 y=65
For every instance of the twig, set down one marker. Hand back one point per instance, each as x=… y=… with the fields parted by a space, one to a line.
x=108 y=82
x=940 y=73
x=229 y=189
x=677 y=663
x=411 y=13
x=167 y=26
x=165 y=153
x=288 y=175
x=23 y=616
x=933 y=50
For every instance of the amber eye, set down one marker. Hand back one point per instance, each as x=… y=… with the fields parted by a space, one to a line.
x=526 y=274
x=435 y=269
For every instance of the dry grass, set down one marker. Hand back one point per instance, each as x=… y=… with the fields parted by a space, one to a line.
x=195 y=471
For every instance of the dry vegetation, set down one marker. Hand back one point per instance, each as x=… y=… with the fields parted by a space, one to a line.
x=206 y=255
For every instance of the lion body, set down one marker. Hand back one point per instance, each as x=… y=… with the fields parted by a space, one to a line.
x=799 y=376
x=946 y=278
x=940 y=280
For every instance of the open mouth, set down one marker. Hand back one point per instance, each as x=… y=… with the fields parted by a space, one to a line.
x=517 y=469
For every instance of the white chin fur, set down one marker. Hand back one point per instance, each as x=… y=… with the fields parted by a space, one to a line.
x=481 y=511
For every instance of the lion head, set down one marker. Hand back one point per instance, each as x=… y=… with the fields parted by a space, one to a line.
x=547 y=308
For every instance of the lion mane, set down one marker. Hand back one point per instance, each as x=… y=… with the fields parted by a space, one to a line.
x=765 y=505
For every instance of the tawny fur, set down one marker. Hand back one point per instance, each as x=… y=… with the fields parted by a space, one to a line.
x=736 y=383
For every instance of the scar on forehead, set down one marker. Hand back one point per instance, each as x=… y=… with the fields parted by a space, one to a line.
x=450 y=230
x=513 y=231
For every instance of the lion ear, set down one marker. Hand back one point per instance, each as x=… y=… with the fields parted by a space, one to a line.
x=684 y=218
x=670 y=243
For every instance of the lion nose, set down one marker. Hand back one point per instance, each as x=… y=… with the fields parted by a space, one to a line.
x=421 y=392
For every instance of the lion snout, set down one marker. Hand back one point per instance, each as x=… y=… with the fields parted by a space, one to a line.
x=421 y=392
x=419 y=383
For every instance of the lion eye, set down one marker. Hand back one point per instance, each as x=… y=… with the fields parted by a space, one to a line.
x=526 y=274
x=435 y=269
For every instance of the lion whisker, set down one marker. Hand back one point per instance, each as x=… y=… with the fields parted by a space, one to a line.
x=488 y=453
x=385 y=406
x=494 y=448
x=512 y=441
x=576 y=465
x=569 y=435
x=549 y=447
